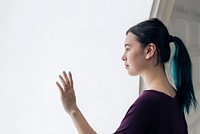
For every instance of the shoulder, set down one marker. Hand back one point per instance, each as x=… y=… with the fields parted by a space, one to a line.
x=141 y=109
x=146 y=101
x=148 y=96
x=152 y=100
x=139 y=114
x=147 y=112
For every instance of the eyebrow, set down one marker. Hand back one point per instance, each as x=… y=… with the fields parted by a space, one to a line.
x=127 y=45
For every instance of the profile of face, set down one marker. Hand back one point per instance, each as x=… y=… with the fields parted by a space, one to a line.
x=136 y=58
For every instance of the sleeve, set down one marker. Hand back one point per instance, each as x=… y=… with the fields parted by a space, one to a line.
x=136 y=120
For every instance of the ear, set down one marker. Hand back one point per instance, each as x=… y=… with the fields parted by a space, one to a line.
x=150 y=50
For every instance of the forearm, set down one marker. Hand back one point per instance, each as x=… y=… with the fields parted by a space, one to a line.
x=81 y=123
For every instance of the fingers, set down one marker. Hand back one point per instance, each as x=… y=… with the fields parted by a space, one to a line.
x=65 y=77
x=60 y=88
x=71 y=80
x=63 y=82
x=66 y=81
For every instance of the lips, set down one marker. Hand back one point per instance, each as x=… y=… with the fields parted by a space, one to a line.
x=126 y=66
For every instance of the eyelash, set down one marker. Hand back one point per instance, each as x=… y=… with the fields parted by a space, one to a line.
x=127 y=49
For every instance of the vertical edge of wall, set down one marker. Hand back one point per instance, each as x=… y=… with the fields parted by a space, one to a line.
x=161 y=9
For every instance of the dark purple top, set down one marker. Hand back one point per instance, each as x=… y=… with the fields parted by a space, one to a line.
x=154 y=113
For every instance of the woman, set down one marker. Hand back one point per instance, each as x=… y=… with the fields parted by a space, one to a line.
x=160 y=108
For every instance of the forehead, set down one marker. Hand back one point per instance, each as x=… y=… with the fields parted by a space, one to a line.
x=131 y=39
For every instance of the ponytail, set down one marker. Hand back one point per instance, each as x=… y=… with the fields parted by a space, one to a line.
x=181 y=68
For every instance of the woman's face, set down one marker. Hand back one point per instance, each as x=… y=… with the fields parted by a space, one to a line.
x=133 y=57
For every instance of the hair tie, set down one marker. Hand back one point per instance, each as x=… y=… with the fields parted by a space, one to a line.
x=171 y=38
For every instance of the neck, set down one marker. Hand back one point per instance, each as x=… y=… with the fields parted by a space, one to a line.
x=155 y=78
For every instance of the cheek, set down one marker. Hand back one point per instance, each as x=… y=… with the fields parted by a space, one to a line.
x=136 y=62
x=133 y=58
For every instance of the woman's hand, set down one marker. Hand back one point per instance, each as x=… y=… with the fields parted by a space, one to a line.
x=67 y=92
x=69 y=102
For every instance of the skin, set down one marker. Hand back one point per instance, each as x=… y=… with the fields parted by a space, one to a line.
x=137 y=61
x=142 y=61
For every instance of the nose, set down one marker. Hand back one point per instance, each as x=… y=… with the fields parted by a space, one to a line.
x=124 y=57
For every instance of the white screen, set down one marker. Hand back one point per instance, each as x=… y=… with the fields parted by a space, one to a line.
x=41 y=38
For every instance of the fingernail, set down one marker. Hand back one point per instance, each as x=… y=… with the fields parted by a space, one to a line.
x=64 y=72
x=70 y=72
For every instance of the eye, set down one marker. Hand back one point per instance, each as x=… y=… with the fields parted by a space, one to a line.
x=127 y=49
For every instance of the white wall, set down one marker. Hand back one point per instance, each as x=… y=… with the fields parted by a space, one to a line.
x=41 y=38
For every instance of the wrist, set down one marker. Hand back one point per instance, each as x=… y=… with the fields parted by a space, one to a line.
x=74 y=112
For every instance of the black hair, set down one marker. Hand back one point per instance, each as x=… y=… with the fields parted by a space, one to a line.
x=154 y=31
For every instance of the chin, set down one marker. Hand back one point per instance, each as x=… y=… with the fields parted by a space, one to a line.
x=132 y=73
